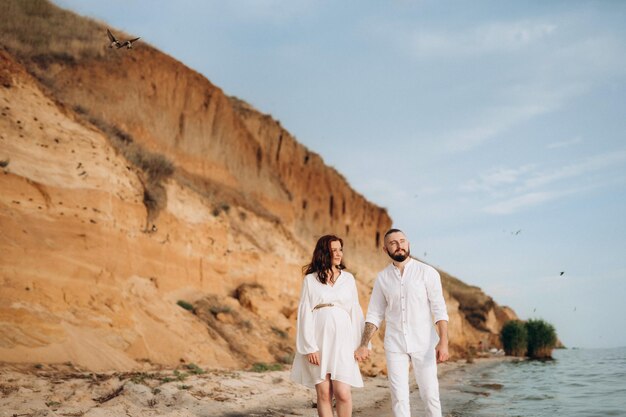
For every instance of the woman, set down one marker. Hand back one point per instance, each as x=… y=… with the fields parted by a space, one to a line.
x=330 y=322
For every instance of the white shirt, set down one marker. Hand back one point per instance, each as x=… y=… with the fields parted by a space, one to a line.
x=409 y=303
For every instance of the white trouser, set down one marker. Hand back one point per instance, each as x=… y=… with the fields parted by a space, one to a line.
x=425 y=369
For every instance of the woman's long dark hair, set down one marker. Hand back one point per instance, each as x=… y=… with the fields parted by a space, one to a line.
x=321 y=263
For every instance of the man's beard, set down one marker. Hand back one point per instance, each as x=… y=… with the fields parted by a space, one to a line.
x=400 y=257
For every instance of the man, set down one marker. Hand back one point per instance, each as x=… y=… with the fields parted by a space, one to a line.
x=408 y=295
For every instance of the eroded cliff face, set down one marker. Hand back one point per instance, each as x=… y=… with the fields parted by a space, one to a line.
x=131 y=182
x=172 y=110
x=82 y=279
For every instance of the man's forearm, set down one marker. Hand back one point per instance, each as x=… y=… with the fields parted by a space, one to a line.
x=368 y=332
x=442 y=329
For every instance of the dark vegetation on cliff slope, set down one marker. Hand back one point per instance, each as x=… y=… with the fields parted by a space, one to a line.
x=473 y=302
x=154 y=167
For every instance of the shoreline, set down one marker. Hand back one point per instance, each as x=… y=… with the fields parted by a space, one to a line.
x=187 y=391
x=447 y=374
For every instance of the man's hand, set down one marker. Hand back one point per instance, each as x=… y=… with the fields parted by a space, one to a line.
x=313 y=358
x=362 y=353
x=441 y=351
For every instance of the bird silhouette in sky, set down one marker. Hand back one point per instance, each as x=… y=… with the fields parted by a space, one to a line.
x=561 y=274
x=117 y=44
x=517 y=232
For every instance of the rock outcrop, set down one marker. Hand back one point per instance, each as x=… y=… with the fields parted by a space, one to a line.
x=132 y=188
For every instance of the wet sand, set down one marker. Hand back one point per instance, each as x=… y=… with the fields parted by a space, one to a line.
x=449 y=373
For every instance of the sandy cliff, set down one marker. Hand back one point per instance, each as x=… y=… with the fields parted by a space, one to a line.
x=130 y=182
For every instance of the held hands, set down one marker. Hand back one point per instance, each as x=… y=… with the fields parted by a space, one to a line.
x=313 y=358
x=361 y=354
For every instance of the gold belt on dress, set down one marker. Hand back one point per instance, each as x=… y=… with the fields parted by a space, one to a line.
x=323 y=305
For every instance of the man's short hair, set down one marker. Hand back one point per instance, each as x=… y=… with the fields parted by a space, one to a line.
x=390 y=231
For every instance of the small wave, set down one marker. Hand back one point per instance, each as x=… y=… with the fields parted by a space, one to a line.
x=475 y=392
x=493 y=386
x=537 y=397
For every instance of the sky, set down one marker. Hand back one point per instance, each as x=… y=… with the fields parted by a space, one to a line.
x=493 y=132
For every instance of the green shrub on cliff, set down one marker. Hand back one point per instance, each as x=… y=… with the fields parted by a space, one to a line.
x=541 y=339
x=186 y=305
x=514 y=338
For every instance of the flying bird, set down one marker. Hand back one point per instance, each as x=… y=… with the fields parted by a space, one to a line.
x=117 y=44
x=129 y=43
x=114 y=41
x=517 y=232
x=561 y=274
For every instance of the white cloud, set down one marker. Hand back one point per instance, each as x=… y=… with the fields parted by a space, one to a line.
x=519 y=103
x=521 y=202
x=560 y=66
x=496 y=178
x=587 y=166
x=563 y=143
x=494 y=122
x=532 y=199
x=491 y=38
x=527 y=186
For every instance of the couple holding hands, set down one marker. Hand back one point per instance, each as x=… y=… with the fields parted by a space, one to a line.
x=333 y=336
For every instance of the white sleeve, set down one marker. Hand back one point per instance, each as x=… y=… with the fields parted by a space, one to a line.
x=358 y=320
x=305 y=335
x=377 y=306
x=435 y=297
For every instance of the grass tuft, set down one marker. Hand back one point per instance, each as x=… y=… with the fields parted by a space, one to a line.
x=180 y=376
x=281 y=333
x=265 y=367
x=194 y=369
x=184 y=304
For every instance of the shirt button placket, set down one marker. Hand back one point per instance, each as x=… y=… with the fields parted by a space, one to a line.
x=402 y=303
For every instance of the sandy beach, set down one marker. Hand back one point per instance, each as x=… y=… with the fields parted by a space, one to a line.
x=189 y=391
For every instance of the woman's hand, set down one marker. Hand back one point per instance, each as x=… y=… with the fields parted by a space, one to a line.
x=313 y=358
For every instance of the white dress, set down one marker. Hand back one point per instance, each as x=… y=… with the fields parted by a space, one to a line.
x=334 y=331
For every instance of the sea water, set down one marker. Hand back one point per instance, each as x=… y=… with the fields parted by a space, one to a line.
x=577 y=383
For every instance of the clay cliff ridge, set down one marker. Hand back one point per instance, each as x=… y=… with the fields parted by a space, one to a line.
x=147 y=216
